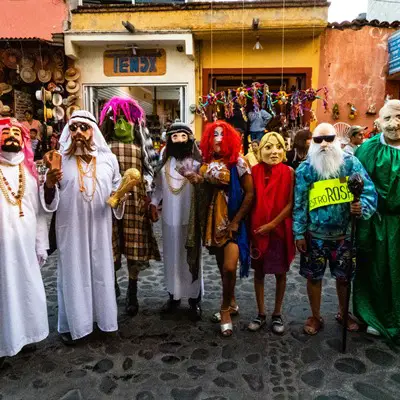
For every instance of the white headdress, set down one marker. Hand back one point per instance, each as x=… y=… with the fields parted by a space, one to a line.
x=87 y=118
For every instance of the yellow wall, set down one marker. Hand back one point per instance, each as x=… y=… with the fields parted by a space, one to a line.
x=298 y=53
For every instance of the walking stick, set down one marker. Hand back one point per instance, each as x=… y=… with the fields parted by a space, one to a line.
x=356 y=186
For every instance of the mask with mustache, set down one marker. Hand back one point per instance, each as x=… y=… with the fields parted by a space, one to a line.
x=80 y=146
x=327 y=161
x=11 y=140
x=179 y=150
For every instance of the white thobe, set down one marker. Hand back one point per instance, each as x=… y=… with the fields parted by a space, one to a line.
x=23 y=310
x=85 y=280
x=175 y=220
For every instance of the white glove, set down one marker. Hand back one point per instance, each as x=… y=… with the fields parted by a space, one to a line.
x=41 y=259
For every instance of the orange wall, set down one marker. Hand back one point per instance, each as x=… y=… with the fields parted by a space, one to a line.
x=32 y=18
x=353 y=66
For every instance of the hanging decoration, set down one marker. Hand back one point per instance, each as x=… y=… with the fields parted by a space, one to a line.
x=371 y=109
x=353 y=111
x=259 y=94
x=335 y=112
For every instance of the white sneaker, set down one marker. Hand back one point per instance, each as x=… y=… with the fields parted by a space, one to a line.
x=373 y=331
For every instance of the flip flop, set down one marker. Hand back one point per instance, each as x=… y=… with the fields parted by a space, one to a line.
x=350 y=322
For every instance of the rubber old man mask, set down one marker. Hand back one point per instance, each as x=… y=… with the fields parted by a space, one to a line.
x=389 y=121
x=272 y=149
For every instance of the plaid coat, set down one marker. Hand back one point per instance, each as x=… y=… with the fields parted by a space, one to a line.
x=133 y=235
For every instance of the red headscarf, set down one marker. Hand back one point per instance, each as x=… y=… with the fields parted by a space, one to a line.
x=230 y=145
x=27 y=150
x=273 y=186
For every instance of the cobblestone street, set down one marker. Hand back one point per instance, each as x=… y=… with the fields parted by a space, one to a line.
x=153 y=357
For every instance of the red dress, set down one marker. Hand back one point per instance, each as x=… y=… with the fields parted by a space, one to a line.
x=272 y=253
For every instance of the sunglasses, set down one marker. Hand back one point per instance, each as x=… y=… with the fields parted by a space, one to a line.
x=83 y=127
x=328 y=139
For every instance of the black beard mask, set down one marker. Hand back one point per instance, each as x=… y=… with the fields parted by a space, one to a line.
x=179 y=150
x=12 y=146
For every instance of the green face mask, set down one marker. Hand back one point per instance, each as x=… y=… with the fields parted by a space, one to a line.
x=123 y=131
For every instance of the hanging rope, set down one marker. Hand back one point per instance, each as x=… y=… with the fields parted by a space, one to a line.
x=313 y=28
x=212 y=44
x=242 y=40
x=283 y=38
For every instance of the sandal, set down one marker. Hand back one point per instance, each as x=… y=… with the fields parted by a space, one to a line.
x=277 y=324
x=352 y=325
x=257 y=323
x=313 y=326
x=227 y=328
x=234 y=311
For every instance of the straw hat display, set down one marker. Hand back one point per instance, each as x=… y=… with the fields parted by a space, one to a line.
x=58 y=76
x=57 y=99
x=5 y=88
x=51 y=87
x=58 y=113
x=43 y=95
x=44 y=75
x=70 y=100
x=70 y=110
x=27 y=62
x=48 y=113
x=10 y=58
x=72 y=74
x=28 y=75
x=72 y=87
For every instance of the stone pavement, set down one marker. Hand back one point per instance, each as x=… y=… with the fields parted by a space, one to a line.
x=154 y=357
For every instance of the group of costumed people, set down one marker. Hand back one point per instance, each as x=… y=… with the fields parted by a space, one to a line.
x=210 y=197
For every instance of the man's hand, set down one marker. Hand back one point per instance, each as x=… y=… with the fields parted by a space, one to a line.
x=355 y=209
x=41 y=259
x=301 y=245
x=153 y=213
x=53 y=177
x=194 y=178
x=233 y=227
x=265 y=229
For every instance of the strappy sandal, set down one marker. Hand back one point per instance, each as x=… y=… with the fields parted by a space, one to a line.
x=352 y=325
x=277 y=324
x=234 y=311
x=313 y=326
x=227 y=328
x=257 y=323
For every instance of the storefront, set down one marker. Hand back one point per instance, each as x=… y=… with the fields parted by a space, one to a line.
x=157 y=70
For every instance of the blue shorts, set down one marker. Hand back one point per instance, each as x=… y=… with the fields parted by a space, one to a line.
x=320 y=251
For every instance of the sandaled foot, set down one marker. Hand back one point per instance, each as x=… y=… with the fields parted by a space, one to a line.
x=352 y=325
x=313 y=326
x=372 y=331
x=233 y=310
x=257 y=323
x=226 y=327
x=277 y=324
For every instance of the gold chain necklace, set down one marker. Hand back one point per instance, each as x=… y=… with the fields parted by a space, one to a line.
x=168 y=177
x=11 y=197
x=89 y=173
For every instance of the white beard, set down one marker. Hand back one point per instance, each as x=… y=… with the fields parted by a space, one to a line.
x=327 y=163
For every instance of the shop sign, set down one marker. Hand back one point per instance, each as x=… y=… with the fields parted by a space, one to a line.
x=144 y=63
x=394 y=53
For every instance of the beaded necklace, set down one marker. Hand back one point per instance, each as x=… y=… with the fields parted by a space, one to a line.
x=9 y=194
x=90 y=173
x=168 y=177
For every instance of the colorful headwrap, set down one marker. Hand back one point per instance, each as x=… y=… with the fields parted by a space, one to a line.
x=125 y=105
x=27 y=150
x=265 y=139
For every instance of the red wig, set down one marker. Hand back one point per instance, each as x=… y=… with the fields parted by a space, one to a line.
x=230 y=145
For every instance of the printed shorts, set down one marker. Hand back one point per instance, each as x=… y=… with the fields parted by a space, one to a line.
x=320 y=252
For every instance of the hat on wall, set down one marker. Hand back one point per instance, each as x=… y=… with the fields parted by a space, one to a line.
x=43 y=95
x=70 y=100
x=44 y=75
x=72 y=74
x=27 y=62
x=10 y=58
x=71 y=110
x=5 y=110
x=5 y=88
x=48 y=113
x=58 y=113
x=57 y=99
x=72 y=87
x=28 y=75
x=58 y=76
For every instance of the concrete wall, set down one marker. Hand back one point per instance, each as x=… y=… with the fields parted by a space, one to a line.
x=32 y=18
x=354 y=69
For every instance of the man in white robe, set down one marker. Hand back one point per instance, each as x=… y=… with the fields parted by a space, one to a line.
x=177 y=194
x=89 y=174
x=23 y=244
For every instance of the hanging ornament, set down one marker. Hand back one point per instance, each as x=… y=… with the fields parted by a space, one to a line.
x=353 y=111
x=229 y=105
x=371 y=109
x=313 y=117
x=241 y=99
x=335 y=112
x=255 y=87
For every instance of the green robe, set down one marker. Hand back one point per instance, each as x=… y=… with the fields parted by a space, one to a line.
x=377 y=281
